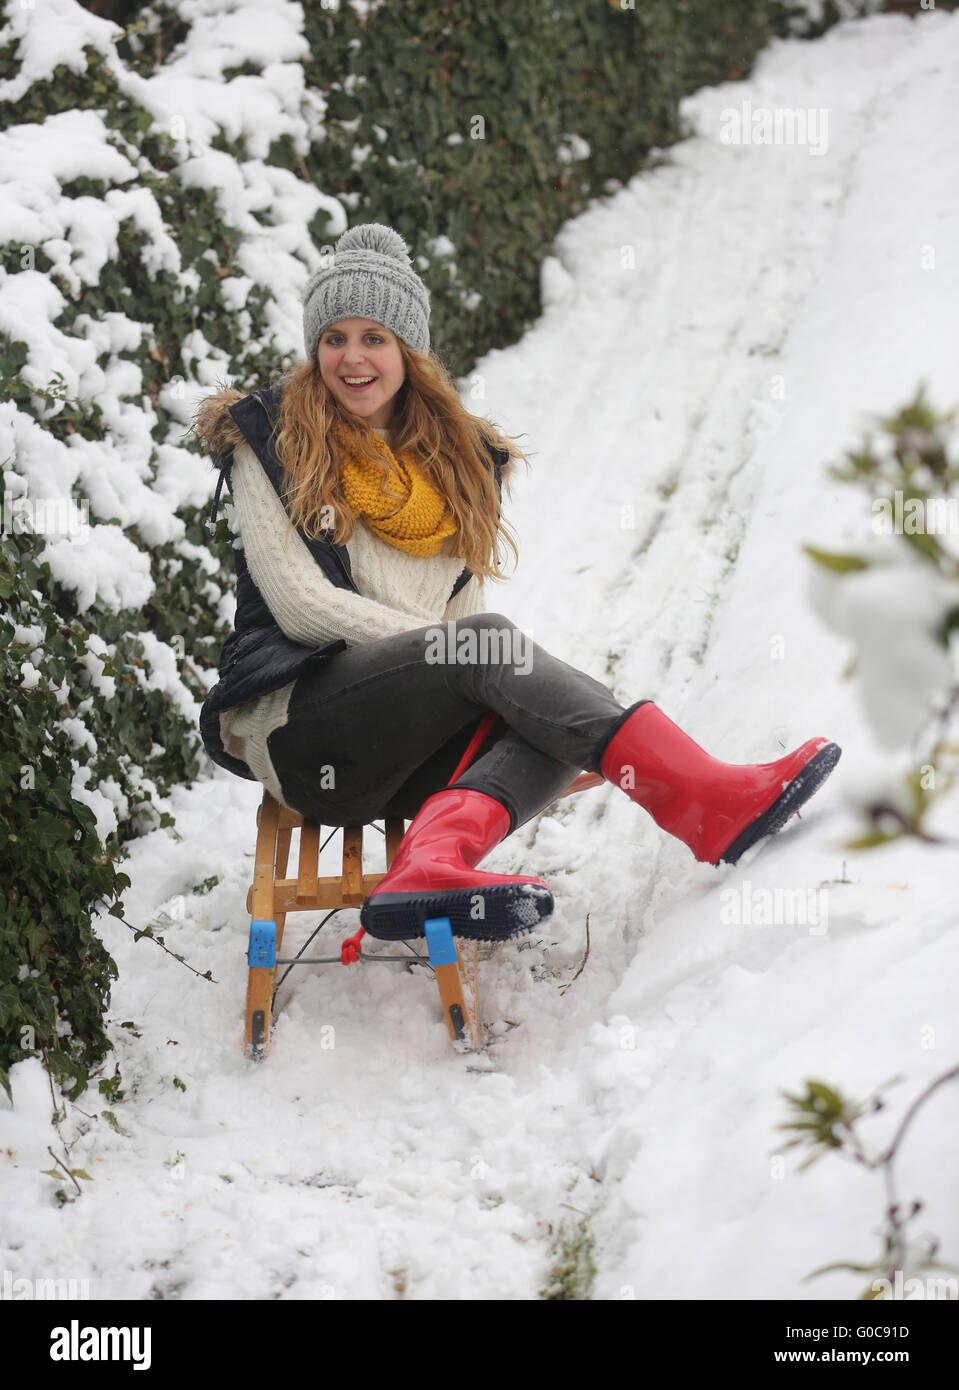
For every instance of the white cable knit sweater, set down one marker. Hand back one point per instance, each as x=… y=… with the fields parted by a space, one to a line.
x=398 y=592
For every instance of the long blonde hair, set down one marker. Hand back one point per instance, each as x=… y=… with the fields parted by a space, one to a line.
x=430 y=422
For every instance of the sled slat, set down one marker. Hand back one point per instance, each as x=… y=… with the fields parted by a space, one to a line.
x=307 y=867
x=329 y=893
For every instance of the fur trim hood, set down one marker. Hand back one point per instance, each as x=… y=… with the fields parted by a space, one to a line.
x=217 y=430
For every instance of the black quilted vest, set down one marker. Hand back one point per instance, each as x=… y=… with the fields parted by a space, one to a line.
x=258 y=657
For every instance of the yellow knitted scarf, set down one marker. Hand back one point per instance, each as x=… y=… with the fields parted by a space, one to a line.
x=420 y=522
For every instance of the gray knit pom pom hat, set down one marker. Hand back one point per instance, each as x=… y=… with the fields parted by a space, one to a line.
x=369 y=276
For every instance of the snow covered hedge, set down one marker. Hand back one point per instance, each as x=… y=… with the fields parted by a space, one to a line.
x=54 y=973
x=168 y=188
x=129 y=281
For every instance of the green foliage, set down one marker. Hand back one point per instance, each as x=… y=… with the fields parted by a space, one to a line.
x=922 y=787
x=912 y=479
x=823 y=1119
x=912 y=482
x=111 y=1087
x=839 y=564
x=573 y=1270
x=54 y=972
x=826 y=1122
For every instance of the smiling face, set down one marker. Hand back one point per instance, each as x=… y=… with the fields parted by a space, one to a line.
x=361 y=363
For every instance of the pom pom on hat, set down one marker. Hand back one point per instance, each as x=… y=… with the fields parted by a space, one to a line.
x=371 y=277
x=375 y=236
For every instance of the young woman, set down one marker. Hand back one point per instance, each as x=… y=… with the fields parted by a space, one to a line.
x=365 y=657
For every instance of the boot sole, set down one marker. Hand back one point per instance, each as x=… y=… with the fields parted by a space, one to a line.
x=511 y=910
x=800 y=789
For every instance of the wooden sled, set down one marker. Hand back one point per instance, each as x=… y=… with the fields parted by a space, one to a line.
x=272 y=895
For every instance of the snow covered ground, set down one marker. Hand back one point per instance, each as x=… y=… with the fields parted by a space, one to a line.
x=714 y=335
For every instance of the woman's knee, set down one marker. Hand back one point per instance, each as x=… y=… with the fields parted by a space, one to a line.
x=485 y=619
x=488 y=639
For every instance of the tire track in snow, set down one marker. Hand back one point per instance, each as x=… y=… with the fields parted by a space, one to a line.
x=690 y=989
x=660 y=597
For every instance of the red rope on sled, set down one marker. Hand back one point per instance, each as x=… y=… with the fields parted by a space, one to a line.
x=483 y=729
x=351 y=947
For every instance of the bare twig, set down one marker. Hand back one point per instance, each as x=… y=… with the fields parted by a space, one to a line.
x=301 y=163
x=141 y=932
x=582 y=962
x=949 y=1075
x=60 y=1164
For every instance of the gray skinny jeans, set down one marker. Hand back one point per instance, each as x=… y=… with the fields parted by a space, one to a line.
x=377 y=728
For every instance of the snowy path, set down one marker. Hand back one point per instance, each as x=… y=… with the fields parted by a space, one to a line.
x=645 y=1095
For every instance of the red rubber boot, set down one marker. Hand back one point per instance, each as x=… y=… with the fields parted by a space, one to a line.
x=433 y=875
x=718 y=809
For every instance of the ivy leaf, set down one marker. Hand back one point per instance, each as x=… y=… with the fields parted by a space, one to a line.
x=838 y=563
